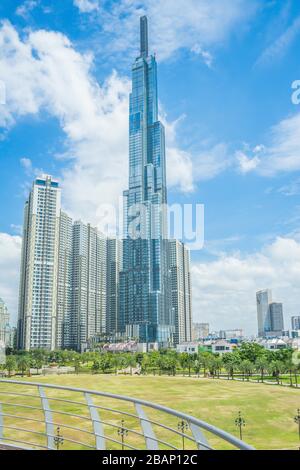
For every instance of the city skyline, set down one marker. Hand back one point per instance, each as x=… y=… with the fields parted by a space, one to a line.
x=67 y=269
x=251 y=243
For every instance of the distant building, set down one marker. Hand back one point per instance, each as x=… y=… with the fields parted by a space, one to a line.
x=5 y=330
x=263 y=301
x=180 y=290
x=222 y=346
x=188 y=347
x=274 y=344
x=237 y=334
x=200 y=331
x=37 y=322
x=113 y=264
x=88 y=315
x=64 y=283
x=276 y=319
x=295 y=323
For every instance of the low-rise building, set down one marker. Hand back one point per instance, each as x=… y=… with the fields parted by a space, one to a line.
x=190 y=347
x=222 y=346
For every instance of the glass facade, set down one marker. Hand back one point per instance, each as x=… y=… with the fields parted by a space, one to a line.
x=145 y=311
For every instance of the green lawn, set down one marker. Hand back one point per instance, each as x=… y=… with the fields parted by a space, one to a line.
x=268 y=410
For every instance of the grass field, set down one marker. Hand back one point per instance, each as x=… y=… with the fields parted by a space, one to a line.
x=268 y=410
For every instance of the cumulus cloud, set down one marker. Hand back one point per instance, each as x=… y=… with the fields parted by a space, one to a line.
x=174 y=25
x=281 y=152
x=224 y=289
x=87 y=6
x=44 y=72
x=10 y=254
x=25 y=8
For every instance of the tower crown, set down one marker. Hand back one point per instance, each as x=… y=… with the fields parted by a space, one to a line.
x=144 y=36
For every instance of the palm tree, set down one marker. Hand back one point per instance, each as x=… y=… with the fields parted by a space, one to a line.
x=197 y=367
x=261 y=365
x=231 y=363
x=246 y=367
x=23 y=364
x=275 y=368
x=10 y=365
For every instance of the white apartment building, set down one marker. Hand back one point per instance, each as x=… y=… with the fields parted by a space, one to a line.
x=88 y=311
x=180 y=290
x=37 y=322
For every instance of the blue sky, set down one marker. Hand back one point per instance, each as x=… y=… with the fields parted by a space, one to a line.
x=226 y=68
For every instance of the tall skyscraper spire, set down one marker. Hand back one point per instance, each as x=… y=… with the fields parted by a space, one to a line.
x=145 y=311
x=144 y=36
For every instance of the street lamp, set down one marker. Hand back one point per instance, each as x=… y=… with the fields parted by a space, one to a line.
x=240 y=423
x=182 y=426
x=58 y=439
x=122 y=431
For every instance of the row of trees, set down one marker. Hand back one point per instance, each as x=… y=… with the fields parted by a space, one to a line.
x=248 y=360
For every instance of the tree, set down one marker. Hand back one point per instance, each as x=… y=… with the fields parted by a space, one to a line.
x=105 y=362
x=197 y=367
x=261 y=365
x=246 y=367
x=251 y=351
x=231 y=363
x=276 y=368
x=23 y=364
x=10 y=365
x=37 y=364
x=204 y=358
x=96 y=367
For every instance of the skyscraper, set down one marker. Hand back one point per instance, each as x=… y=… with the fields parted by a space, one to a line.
x=295 y=323
x=88 y=310
x=64 y=283
x=263 y=301
x=180 y=290
x=5 y=330
x=37 y=320
x=145 y=310
x=113 y=267
x=276 y=318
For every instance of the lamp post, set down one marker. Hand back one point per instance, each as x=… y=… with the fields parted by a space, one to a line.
x=58 y=439
x=122 y=431
x=182 y=426
x=240 y=423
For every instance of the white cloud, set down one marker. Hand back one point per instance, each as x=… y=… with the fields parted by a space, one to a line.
x=87 y=6
x=291 y=189
x=278 y=48
x=173 y=24
x=25 y=8
x=206 y=55
x=44 y=72
x=10 y=255
x=281 y=153
x=246 y=164
x=224 y=289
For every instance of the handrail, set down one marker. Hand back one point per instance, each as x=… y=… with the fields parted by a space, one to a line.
x=196 y=425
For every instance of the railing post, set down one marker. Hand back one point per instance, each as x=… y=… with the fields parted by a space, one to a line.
x=48 y=419
x=150 y=438
x=199 y=437
x=97 y=425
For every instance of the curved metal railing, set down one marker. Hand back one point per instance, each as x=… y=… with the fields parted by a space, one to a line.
x=42 y=416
